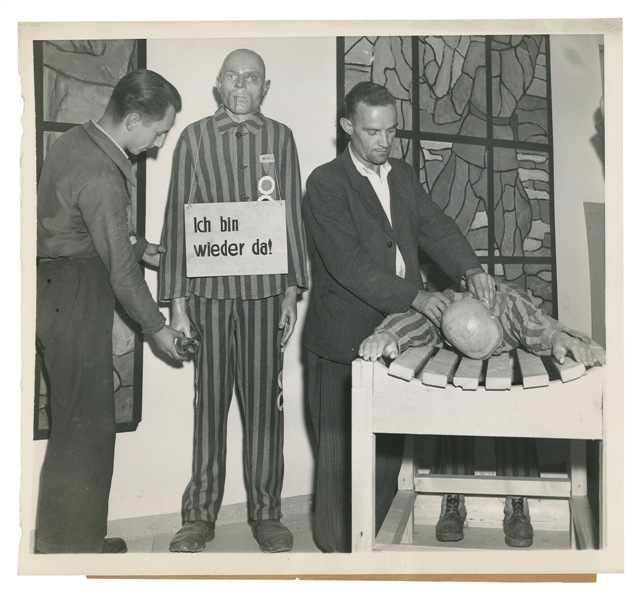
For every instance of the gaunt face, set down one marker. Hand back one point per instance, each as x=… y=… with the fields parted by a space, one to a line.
x=241 y=83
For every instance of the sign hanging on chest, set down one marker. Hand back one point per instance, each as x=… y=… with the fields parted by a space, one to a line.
x=235 y=238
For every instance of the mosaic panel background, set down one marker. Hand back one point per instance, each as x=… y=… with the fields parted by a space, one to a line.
x=479 y=139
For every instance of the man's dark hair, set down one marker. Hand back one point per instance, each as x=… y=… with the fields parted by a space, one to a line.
x=143 y=92
x=370 y=93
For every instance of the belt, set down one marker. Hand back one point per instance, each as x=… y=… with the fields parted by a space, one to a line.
x=71 y=260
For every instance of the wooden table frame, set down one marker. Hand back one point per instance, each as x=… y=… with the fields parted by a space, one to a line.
x=384 y=404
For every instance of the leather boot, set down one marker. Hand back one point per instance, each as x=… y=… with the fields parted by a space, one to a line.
x=516 y=524
x=450 y=524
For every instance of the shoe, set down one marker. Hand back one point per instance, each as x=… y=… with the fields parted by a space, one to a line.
x=516 y=524
x=450 y=524
x=113 y=546
x=192 y=536
x=272 y=536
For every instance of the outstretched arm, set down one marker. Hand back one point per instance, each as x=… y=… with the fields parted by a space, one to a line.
x=383 y=343
x=399 y=332
x=539 y=333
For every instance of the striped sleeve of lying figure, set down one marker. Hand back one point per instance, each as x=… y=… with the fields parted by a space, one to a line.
x=411 y=328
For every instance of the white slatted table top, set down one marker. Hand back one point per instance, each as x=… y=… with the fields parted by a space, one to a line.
x=514 y=395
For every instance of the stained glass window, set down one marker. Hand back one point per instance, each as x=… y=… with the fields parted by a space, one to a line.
x=73 y=83
x=479 y=138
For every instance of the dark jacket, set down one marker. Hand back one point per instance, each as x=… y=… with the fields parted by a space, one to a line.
x=353 y=252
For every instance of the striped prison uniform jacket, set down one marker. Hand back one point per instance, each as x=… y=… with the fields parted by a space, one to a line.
x=218 y=160
x=524 y=325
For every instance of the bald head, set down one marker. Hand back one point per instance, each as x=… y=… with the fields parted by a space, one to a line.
x=471 y=328
x=242 y=84
x=244 y=57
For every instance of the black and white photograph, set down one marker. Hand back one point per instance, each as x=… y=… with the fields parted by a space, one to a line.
x=340 y=298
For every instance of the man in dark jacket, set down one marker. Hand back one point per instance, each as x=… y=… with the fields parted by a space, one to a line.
x=367 y=216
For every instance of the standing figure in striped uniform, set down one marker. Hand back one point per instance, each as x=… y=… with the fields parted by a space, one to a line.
x=243 y=321
x=522 y=324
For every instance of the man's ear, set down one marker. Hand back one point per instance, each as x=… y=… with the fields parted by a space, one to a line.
x=266 y=87
x=132 y=121
x=347 y=126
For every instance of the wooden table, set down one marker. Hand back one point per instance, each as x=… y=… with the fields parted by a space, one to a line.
x=430 y=392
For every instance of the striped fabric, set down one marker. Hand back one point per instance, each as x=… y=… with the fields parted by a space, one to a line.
x=514 y=457
x=239 y=343
x=524 y=325
x=218 y=160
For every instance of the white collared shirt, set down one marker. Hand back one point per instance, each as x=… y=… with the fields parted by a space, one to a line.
x=381 y=187
x=114 y=141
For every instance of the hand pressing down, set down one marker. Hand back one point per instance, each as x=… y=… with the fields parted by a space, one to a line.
x=383 y=343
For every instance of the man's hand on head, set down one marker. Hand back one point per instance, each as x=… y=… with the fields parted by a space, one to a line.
x=562 y=344
x=432 y=305
x=481 y=285
x=382 y=343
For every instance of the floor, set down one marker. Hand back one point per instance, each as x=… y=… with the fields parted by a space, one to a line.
x=237 y=537
x=485 y=538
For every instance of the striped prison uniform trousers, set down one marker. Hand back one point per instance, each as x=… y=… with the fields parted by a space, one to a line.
x=240 y=343
x=515 y=457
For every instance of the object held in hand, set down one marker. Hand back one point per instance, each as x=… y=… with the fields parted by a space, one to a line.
x=187 y=345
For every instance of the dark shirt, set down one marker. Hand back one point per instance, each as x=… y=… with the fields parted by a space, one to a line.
x=83 y=198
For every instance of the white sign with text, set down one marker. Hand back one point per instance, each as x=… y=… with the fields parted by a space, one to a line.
x=235 y=238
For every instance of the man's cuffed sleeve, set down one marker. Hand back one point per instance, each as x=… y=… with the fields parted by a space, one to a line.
x=139 y=245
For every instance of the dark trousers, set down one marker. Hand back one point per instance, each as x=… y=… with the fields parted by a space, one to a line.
x=74 y=315
x=328 y=391
x=240 y=345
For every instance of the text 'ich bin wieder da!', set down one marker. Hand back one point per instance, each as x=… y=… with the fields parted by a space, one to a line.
x=226 y=248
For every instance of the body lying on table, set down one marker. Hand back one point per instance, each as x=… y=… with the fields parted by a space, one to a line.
x=479 y=331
